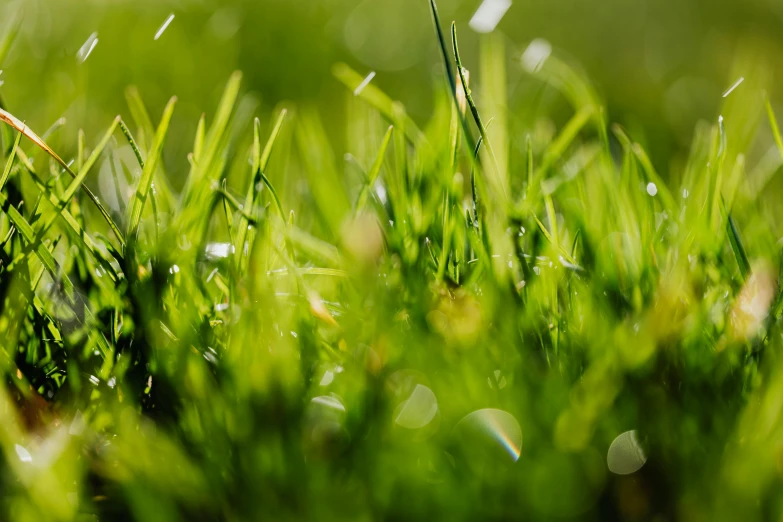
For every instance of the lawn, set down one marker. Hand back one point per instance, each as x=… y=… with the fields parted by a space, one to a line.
x=222 y=308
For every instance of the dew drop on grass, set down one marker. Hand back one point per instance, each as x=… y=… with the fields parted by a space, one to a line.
x=488 y=15
x=164 y=26
x=86 y=49
x=625 y=455
x=652 y=189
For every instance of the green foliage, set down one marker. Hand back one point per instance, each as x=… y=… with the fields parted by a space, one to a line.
x=434 y=328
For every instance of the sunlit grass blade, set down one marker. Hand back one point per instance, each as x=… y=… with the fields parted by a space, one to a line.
x=27 y=232
x=21 y=127
x=375 y=170
x=140 y=116
x=736 y=243
x=378 y=99
x=258 y=176
x=493 y=176
x=10 y=162
x=143 y=189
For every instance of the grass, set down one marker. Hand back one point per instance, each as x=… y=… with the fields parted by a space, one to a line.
x=435 y=328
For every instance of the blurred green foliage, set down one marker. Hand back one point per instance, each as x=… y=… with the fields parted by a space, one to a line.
x=661 y=65
x=347 y=308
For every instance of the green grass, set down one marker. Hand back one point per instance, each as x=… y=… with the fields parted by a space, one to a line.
x=271 y=340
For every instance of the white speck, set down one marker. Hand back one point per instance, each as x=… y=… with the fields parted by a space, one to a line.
x=720 y=119
x=736 y=84
x=211 y=275
x=86 y=49
x=164 y=26
x=380 y=190
x=174 y=269
x=537 y=270
x=685 y=193
x=112 y=382
x=365 y=82
x=23 y=454
x=536 y=55
x=221 y=307
x=219 y=250
x=652 y=189
x=488 y=15
x=94 y=380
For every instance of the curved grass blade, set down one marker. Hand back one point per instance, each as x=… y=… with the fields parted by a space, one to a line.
x=148 y=171
x=260 y=162
x=499 y=188
x=375 y=170
x=381 y=102
x=736 y=243
x=43 y=253
x=17 y=124
x=9 y=164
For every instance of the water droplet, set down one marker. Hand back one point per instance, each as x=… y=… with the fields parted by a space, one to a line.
x=625 y=455
x=652 y=189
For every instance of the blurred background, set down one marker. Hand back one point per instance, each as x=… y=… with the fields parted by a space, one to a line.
x=660 y=65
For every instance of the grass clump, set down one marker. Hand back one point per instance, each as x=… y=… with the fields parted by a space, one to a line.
x=449 y=325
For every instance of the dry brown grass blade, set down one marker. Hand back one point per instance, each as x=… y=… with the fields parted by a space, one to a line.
x=19 y=125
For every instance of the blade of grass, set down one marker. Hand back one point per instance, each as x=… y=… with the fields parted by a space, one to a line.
x=10 y=162
x=140 y=198
x=382 y=103
x=736 y=243
x=375 y=170
x=17 y=124
x=474 y=111
x=9 y=37
x=260 y=162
